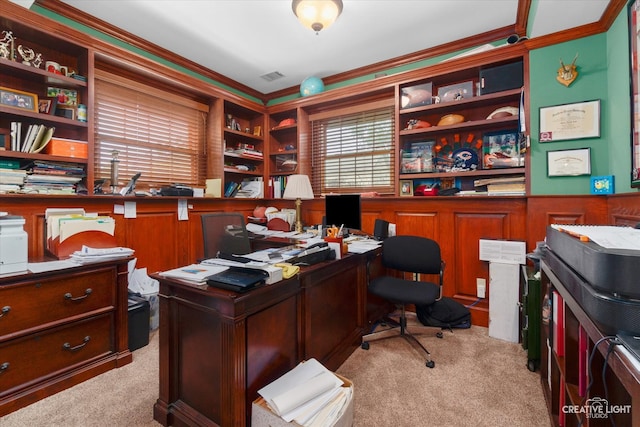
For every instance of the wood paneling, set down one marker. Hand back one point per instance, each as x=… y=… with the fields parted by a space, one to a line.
x=161 y=241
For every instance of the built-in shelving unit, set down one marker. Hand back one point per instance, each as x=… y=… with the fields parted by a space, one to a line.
x=244 y=148
x=24 y=75
x=448 y=131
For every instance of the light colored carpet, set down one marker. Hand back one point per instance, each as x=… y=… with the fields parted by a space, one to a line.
x=477 y=381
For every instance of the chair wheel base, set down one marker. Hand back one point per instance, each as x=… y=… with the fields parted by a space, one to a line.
x=439 y=334
x=364 y=346
x=430 y=364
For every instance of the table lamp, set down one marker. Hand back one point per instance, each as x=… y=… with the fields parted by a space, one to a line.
x=298 y=188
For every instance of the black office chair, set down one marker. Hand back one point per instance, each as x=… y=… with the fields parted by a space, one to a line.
x=224 y=232
x=407 y=255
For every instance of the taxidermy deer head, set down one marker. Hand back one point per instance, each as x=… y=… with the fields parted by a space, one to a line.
x=567 y=73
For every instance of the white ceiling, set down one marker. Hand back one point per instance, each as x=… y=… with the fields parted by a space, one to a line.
x=245 y=39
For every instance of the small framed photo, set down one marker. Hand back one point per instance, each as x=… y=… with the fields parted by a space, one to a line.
x=257 y=131
x=18 y=99
x=406 y=187
x=66 y=112
x=64 y=96
x=44 y=106
x=569 y=162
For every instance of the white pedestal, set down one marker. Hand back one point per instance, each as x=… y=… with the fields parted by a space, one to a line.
x=504 y=294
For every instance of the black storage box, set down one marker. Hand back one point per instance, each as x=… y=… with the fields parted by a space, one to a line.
x=501 y=77
x=139 y=317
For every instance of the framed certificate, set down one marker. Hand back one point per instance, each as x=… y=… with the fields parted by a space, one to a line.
x=569 y=162
x=570 y=121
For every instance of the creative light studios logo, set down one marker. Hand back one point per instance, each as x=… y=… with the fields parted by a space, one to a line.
x=596 y=407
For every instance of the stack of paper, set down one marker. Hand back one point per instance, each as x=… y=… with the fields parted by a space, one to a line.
x=195 y=273
x=309 y=394
x=88 y=255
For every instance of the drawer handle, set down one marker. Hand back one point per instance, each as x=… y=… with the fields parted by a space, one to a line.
x=67 y=346
x=5 y=310
x=70 y=297
x=4 y=367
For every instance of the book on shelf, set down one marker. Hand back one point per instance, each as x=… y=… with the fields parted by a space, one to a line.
x=231 y=189
x=558 y=323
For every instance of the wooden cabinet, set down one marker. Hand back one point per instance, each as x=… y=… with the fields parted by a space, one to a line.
x=25 y=81
x=449 y=134
x=587 y=378
x=60 y=328
x=244 y=148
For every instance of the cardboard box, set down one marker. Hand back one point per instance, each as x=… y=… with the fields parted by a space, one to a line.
x=262 y=416
x=67 y=148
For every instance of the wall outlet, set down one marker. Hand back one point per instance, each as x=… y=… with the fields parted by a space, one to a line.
x=391 y=230
x=481 y=286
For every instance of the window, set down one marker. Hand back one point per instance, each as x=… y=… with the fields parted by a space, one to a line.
x=353 y=151
x=155 y=132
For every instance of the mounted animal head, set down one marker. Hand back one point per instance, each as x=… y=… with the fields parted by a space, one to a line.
x=567 y=73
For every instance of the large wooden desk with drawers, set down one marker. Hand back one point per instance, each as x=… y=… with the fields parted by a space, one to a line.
x=59 y=328
x=218 y=348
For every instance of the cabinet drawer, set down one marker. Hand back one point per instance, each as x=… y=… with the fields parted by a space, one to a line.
x=47 y=354
x=28 y=305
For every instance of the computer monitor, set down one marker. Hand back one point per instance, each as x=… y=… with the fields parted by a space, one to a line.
x=343 y=210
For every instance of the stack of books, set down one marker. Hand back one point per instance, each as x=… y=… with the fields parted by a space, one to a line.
x=11 y=176
x=53 y=177
x=506 y=186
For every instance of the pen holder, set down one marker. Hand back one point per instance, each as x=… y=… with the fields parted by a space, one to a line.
x=344 y=246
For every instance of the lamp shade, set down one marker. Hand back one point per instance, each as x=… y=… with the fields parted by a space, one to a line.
x=298 y=187
x=317 y=14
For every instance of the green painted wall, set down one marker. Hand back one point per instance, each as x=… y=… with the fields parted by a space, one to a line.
x=603 y=67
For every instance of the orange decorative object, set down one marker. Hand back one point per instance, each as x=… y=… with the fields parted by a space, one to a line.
x=286 y=122
x=451 y=119
x=67 y=148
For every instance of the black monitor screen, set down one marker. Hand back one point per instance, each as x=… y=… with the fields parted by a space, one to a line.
x=343 y=210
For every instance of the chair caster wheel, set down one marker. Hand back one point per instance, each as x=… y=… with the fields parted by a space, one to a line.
x=439 y=334
x=364 y=346
x=431 y=364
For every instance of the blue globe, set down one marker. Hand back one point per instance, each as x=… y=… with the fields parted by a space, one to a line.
x=311 y=86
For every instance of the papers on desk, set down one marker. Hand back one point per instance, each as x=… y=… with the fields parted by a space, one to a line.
x=195 y=273
x=362 y=245
x=264 y=231
x=309 y=394
x=88 y=255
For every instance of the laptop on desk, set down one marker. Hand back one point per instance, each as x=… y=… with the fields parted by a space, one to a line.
x=238 y=279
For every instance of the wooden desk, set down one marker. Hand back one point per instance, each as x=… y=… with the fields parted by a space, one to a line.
x=218 y=348
x=60 y=328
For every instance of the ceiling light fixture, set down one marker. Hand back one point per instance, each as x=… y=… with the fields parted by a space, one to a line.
x=317 y=14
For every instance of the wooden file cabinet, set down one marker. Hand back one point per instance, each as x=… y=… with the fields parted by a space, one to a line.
x=60 y=328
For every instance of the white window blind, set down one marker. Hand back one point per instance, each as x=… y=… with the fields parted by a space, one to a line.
x=155 y=132
x=354 y=152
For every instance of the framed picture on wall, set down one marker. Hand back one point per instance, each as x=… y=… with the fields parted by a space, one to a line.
x=634 y=39
x=569 y=162
x=570 y=121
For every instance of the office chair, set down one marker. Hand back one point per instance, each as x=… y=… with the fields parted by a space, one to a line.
x=224 y=232
x=414 y=255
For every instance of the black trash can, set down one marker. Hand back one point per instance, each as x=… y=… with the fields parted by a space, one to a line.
x=138 y=322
